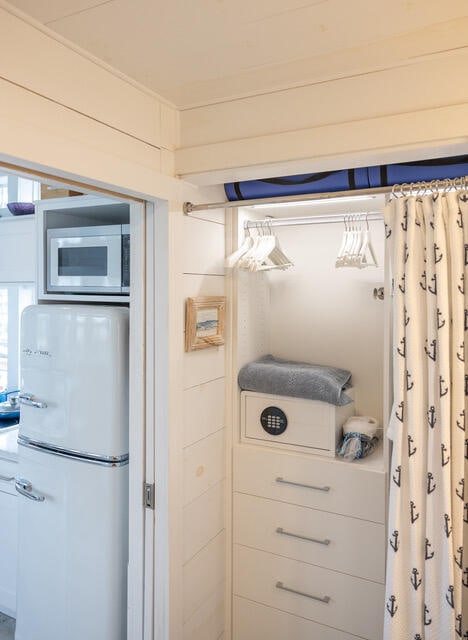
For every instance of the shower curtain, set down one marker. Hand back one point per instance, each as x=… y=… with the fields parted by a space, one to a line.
x=426 y=570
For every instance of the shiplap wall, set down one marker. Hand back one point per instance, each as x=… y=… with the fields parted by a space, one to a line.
x=388 y=114
x=203 y=442
x=64 y=112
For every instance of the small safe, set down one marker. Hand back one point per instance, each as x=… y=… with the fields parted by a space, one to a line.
x=293 y=423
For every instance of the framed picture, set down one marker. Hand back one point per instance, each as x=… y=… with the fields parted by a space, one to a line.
x=204 y=322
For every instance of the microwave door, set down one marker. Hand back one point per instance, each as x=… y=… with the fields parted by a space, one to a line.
x=85 y=263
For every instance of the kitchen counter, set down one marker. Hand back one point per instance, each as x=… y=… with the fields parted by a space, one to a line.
x=9 y=444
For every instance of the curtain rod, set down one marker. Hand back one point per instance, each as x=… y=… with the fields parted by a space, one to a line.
x=294 y=222
x=189 y=207
x=404 y=189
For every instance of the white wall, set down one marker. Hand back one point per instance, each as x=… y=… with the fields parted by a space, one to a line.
x=403 y=111
x=198 y=439
x=324 y=315
x=69 y=115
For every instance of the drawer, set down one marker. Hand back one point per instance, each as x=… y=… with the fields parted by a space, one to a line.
x=293 y=423
x=253 y=621
x=310 y=481
x=8 y=472
x=356 y=547
x=354 y=605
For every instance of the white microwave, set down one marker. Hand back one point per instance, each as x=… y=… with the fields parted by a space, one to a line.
x=89 y=259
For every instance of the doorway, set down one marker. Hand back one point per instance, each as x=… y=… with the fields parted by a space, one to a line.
x=143 y=405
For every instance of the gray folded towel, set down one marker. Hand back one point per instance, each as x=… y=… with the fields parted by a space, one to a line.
x=296 y=379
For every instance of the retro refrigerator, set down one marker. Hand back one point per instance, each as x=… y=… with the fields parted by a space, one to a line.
x=73 y=473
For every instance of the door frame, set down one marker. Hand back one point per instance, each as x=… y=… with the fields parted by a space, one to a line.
x=148 y=343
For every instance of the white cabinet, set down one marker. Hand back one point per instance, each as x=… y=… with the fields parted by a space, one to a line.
x=309 y=546
x=81 y=212
x=8 y=537
x=17 y=249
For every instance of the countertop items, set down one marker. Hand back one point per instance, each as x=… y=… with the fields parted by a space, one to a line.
x=9 y=443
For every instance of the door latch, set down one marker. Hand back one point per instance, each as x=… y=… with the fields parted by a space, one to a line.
x=148 y=495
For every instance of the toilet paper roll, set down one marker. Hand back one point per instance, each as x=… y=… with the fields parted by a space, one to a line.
x=361 y=424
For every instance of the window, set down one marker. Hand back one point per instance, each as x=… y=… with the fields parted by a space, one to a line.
x=16 y=189
x=13 y=299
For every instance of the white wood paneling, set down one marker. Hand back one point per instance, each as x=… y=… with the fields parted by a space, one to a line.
x=203 y=575
x=201 y=285
x=277 y=112
x=282 y=45
x=202 y=366
x=414 y=135
x=203 y=437
x=44 y=67
x=203 y=247
x=170 y=127
x=203 y=465
x=54 y=9
x=167 y=162
x=17 y=250
x=203 y=410
x=42 y=134
x=207 y=623
x=212 y=215
x=203 y=520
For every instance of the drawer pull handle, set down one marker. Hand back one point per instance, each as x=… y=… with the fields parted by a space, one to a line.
x=7 y=478
x=301 y=484
x=25 y=488
x=280 y=530
x=325 y=599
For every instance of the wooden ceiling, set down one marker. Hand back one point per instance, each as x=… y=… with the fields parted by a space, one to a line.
x=206 y=51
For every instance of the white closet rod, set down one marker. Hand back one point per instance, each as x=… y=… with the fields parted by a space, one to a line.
x=324 y=219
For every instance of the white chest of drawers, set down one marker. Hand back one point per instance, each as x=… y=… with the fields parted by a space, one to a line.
x=309 y=547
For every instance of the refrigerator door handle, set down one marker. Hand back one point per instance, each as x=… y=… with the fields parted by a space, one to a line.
x=28 y=398
x=25 y=488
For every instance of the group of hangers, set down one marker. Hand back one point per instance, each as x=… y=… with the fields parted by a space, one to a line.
x=356 y=247
x=261 y=253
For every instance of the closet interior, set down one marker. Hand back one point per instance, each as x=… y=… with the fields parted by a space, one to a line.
x=308 y=526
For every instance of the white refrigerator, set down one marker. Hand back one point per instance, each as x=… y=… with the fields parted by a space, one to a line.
x=73 y=473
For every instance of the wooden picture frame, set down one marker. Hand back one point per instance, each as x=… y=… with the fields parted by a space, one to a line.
x=204 y=322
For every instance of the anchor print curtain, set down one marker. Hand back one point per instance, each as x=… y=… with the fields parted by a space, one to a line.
x=426 y=570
